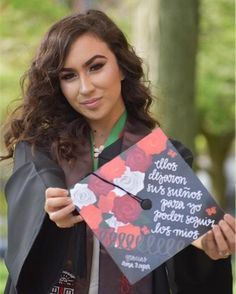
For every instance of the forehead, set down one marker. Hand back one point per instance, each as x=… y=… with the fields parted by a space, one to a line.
x=85 y=47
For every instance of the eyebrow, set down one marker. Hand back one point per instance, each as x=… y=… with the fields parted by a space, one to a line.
x=88 y=62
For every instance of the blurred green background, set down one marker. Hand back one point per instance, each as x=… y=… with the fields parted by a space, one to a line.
x=187 y=47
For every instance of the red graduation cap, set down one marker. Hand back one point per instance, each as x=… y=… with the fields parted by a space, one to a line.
x=145 y=205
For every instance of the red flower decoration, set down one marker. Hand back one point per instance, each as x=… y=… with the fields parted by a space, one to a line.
x=98 y=186
x=93 y=216
x=154 y=143
x=211 y=210
x=106 y=203
x=137 y=159
x=172 y=153
x=126 y=209
x=114 y=169
x=145 y=230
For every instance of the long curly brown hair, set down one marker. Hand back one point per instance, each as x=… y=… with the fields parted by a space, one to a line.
x=45 y=118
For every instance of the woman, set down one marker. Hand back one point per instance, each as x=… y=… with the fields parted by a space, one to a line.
x=84 y=103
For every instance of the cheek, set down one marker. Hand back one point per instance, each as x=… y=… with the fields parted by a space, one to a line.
x=110 y=80
x=68 y=90
x=115 y=85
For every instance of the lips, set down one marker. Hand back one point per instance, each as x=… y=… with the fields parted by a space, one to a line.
x=91 y=103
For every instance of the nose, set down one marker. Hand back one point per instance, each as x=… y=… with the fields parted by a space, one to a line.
x=86 y=85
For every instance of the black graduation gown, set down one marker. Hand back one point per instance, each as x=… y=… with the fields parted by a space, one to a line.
x=37 y=248
x=34 y=242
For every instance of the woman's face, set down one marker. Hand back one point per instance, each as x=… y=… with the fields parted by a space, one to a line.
x=91 y=80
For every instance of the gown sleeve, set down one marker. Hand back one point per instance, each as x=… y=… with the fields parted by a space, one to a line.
x=191 y=270
x=36 y=246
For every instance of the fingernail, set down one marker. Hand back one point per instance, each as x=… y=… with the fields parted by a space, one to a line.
x=228 y=217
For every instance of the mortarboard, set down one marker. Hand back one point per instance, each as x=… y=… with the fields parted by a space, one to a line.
x=145 y=205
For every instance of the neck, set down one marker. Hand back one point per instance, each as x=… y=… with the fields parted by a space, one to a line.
x=102 y=129
x=100 y=137
x=105 y=126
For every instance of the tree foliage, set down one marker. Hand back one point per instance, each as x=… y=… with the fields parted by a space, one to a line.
x=216 y=67
x=215 y=103
x=22 y=24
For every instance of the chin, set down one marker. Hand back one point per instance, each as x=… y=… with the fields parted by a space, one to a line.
x=94 y=117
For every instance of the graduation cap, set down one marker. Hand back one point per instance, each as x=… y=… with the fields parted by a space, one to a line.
x=145 y=205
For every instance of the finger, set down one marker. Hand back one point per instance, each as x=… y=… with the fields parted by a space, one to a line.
x=55 y=192
x=209 y=246
x=69 y=222
x=209 y=242
x=61 y=214
x=77 y=219
x=65 y=223
x=229 y=234
x=222 y=245
x=231 y=221
x=57 y=202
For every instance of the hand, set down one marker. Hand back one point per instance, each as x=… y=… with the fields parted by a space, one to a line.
x=220 y=241
x=60 y=207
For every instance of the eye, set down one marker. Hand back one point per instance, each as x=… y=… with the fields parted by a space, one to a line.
x=96 y=66
x=68 y=76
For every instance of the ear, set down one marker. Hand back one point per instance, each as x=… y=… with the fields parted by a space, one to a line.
x=122 y=76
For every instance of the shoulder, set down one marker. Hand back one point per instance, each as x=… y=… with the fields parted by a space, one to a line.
x=136 y=130
x=25 y=153
x=183 y=151
x=35 y=168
